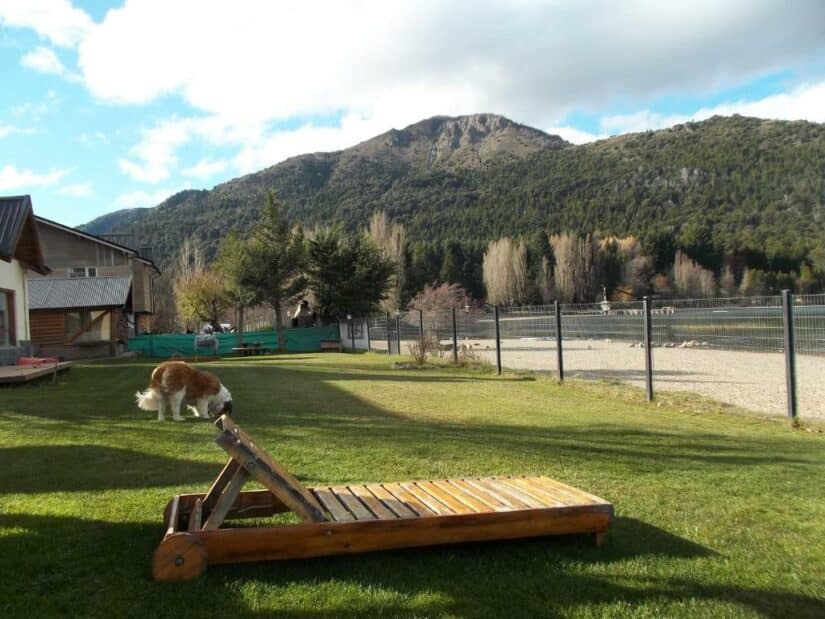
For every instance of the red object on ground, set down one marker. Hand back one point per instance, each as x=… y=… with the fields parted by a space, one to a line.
x=37 y=360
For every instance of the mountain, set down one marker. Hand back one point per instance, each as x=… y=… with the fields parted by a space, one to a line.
x=725 y=185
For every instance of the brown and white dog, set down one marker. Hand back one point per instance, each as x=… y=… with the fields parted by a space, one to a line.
x=176 y=382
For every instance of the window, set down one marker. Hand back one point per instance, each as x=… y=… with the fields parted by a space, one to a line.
x=83 y=272
x=7 y=318
x=77 y=321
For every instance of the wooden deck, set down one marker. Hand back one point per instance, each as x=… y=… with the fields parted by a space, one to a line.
x=354 y=518
x=10 y=374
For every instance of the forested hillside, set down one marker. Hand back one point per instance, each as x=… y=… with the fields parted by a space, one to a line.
x=726 y=189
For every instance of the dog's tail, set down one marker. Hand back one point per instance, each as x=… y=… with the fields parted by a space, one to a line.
x=148 y=400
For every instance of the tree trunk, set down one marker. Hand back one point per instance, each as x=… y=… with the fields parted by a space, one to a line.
x=239 y=327
x=279 y=327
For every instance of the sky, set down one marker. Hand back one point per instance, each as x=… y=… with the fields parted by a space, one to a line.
x=111 y=105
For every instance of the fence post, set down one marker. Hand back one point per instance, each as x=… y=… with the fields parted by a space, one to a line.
x=421 y=328
x=648 y=350
x=790 y=351
x=398 y=332
x=352 y=331
x=498 y=342
x=367 y=326
x=559 y=353
x=455 y=340
x=389 y=333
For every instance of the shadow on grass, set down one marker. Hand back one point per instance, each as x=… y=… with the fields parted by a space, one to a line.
x=110 y=573
x=76 y=468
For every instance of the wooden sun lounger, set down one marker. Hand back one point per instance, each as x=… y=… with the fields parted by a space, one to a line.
x=357 y=517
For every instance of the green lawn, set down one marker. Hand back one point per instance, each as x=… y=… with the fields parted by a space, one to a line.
x=717 y=514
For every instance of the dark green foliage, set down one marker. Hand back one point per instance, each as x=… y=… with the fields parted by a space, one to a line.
x=273 y=269
x=737 y=187
x=347 y=274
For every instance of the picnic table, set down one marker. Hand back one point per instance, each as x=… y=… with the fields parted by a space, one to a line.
x=249 y=349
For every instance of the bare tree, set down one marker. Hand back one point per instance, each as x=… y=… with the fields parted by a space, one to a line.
x=576 y=273
x=727 y=282
x=691 y=280
x=442 y=297
x=504 y=269
x=391 y=239
x=545 y=285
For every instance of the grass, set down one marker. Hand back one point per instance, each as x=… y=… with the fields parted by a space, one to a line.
x=717 y=514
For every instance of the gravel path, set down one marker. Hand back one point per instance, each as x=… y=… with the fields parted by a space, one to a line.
x=751 y=380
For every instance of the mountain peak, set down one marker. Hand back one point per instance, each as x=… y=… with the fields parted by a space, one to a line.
x=456 y=141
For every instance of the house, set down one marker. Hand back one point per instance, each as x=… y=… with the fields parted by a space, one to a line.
x=97 y=295
x=20 y=252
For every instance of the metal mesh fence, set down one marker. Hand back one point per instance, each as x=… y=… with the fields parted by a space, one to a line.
x=809 y=337
x=602 y=341
x=725 y=349
x=528 y=337
x=730 y=349
x=379 y=328
x=746 y=323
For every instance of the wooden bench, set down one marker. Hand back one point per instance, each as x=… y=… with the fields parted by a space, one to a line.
x=353 y=518
x=330 y=346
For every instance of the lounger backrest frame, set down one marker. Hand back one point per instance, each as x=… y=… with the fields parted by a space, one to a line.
x=260 y=465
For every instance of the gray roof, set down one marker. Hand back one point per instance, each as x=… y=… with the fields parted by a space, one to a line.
x=13 y=213
x=59 y=293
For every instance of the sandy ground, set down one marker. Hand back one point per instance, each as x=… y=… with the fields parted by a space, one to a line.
x=752 y=380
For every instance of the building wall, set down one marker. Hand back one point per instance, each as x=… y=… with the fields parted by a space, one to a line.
x=141 y=287
x=63 y=250
x=13 y=277
x=49 y=333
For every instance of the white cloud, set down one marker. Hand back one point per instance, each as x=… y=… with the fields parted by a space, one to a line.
x=140 y=199
x=575 y=136
x=79 y=190
x=152 y=159
x=12 y=177
x=205 y=168
x=56 y=20
x=533 y=61
x=44 y=60
x=806 y=102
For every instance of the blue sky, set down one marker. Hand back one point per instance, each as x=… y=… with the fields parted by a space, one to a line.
x=118 y=105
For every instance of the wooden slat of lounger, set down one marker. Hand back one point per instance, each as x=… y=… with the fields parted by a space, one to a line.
x=505 y=486
x=375 y=506
x=483 y=496
x=226 y=500
x=196 y=517
x=430 y=501
x=404 y=500
x=390 y=501
x=456 y=506
x=219 y=484
x=529 y=486
x=562 y=492
x=581 y=495
x=356 y=507
x=328 y=499
x=467 y=499
x=508 y=499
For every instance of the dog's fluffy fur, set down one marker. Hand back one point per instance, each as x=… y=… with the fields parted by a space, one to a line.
x=175 y=383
